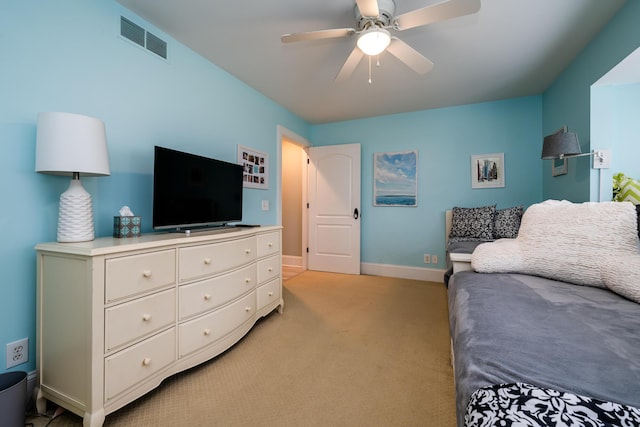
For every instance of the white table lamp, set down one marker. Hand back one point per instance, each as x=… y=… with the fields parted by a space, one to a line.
x=72 y=144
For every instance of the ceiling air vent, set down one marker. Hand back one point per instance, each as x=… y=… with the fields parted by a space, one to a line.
x=142 y=37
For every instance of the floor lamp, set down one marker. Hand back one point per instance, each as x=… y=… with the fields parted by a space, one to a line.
x=72 y=144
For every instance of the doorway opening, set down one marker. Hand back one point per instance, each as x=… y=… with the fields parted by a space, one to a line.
x=292 y=199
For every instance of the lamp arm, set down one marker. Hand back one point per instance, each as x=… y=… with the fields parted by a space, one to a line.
x=597 y=153
x=566 y=156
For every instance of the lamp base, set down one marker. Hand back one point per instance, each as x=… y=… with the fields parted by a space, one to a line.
x=75 y=218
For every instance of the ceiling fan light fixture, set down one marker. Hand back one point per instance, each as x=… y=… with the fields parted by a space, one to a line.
x=374 y=41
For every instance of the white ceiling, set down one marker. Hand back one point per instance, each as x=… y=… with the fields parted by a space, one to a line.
x=510 y=48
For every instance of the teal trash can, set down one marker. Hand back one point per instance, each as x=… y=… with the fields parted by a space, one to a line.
x=13 y=398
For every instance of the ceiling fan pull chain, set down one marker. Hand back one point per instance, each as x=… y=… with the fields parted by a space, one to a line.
x=369 y=69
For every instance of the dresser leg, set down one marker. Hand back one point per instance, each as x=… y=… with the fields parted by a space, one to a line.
x=95 y=419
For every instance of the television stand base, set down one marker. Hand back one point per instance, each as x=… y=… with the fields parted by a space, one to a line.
x=209 y=229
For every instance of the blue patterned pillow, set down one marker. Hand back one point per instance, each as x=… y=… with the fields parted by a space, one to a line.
x=507 y=222
x=473 y=223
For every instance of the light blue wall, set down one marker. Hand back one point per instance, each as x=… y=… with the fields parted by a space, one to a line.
x=568 y=101
x=627 y=136
x=68 y=56
x=445 y=139
x=615 y=126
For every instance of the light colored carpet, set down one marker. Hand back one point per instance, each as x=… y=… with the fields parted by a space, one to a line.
x=290 y=271
x=347 y=351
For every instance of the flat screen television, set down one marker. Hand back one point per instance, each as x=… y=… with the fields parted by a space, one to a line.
x=191 y=191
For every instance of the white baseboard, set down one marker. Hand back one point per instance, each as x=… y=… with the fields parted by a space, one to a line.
x=403 y=272
x=292 y=261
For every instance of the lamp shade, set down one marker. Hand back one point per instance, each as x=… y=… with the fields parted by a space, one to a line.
x=68 y=143
x=560 y=144
x=374 y=41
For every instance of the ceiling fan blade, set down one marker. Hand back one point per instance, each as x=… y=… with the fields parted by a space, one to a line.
x=368 y=7
x=409 y=56
x=350 y=64
x=436 y=13
x=317 y=35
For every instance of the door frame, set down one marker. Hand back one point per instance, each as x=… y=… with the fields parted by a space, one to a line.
x=282 y=133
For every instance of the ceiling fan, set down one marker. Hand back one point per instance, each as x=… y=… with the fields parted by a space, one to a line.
x=374 y=19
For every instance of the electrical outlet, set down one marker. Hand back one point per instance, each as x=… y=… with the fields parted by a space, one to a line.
x=434 y=259
x=265 y=205
x=17 y=352
x=427 y=259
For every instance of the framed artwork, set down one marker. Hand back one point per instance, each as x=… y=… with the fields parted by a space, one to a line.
x=487 y=170
x=256 y=167
x=559 y=166
x=395 y=179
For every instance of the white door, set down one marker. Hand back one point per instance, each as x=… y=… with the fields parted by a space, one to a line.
x=334 y=208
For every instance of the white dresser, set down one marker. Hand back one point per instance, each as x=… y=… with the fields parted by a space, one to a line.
x=117 y=316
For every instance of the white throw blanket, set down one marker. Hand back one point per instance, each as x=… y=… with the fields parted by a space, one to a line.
x=563 y=241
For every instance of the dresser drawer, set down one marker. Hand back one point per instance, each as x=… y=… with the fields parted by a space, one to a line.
x=209 y=328
x=268 y=244
x=268 y=268
x=132 y=320
x=204 y=295
x=137 y=274
x=134 y=364
x=269 y=293
x=204 y=260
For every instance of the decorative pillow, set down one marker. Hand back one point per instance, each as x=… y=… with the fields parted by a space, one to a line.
x=473 y=223
x=626 y=189
x=621 y=274
x=467 y=239
x=501 y=256
x=564 y=241
x=507 y=222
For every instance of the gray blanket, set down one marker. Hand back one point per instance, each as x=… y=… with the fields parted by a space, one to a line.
x=515 y=328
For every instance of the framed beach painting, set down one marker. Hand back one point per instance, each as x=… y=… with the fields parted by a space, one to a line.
x=395 y=178
x=487 y=170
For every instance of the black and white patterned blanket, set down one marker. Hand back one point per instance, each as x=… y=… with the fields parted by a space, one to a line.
x=520 y=404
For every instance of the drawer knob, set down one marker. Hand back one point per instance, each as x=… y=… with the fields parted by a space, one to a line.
x=270 y=244
x=207 y=261
x=247 y=251
x=146 y=361
x=247 y=280
x=146 y=317
x=207 y=332
x=270 y=294
x=270 y=269
x=207 y=297
x=146 y=273
x=247 y=309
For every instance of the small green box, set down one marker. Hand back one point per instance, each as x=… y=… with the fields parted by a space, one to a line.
x=126 y=226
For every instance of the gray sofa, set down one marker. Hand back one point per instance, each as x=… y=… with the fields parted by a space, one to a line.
x=531 y=349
